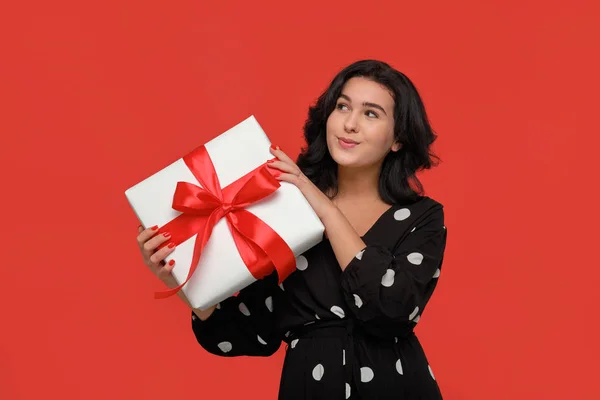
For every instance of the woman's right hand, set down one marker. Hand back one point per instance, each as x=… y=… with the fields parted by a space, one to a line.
x=154 y=259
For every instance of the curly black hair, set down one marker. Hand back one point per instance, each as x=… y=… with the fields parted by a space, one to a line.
x=411 y=128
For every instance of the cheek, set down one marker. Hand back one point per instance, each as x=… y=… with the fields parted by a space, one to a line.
x=331 y=123
x=382 y=141
x=330 y=129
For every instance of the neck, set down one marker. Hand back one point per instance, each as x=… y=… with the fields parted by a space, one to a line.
x=360 y=184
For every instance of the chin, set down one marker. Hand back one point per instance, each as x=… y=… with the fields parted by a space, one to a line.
x=345 y=160
x=342 y=157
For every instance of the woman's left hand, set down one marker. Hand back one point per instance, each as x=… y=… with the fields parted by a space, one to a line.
x=288 y=171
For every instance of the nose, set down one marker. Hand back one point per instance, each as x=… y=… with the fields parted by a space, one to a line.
x=351 y=123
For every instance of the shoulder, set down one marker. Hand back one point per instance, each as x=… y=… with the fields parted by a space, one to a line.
x=423 y=208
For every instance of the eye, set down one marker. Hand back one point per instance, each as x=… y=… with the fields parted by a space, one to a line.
x=373 y=114
x=341 y=106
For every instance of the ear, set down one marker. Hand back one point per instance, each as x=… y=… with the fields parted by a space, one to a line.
x=396 y=146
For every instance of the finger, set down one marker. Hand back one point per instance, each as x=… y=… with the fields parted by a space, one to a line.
x=290 y=178
x=169 y=266
x=282 y=166
x=146 y=234
x=151 y=245
x=140 y=229
x=161 y=254
x=165 y=270
x=277 y=152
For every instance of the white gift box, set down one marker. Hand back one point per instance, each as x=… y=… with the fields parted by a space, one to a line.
x=221 y=271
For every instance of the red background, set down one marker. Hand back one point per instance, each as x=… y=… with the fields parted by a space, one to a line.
x=97 y=96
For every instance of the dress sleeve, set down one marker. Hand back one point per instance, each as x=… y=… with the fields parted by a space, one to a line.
x=242 y=325
x=388 y=290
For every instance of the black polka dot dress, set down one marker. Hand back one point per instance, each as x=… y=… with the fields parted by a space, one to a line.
x=348 y=334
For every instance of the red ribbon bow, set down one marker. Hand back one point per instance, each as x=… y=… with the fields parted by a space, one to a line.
x=260 y=247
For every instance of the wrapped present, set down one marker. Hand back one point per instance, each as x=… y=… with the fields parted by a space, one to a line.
x=232 y=221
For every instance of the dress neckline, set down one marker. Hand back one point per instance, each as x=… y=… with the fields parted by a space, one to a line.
x=377 y=221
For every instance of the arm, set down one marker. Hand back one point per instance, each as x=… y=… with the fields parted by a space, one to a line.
x=243 y=325
x=344 y=240
x=388 y=290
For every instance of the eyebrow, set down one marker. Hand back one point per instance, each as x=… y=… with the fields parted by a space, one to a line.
x=365 y=104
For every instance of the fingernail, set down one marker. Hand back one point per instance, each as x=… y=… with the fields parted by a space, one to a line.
x=270 y=161
x=171 y=245
x=171 y=263
x=155 y=227
x=166 y=234
x=274 y=147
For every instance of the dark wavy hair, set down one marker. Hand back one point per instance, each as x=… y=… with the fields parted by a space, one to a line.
x=411 y=129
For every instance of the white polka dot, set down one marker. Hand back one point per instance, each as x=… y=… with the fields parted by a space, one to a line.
x=318 y=372
x=388 y=278
x=260 y=340
x=416 y=319
x=437 y=273
x=269 y=303
x=218 y=306
x=402 y=214
x=414 y=313
x=359 y=255
x=431 y=372
x=347 y=391
x=338 y=311
x=281 y=286
x=399 y=367
x=317 y=317
x=225 y=347
x=413 y=229
x=358 y=301
x=288 y=333
x=396 y=339
x=194 y=317
x=294 y=343
x=244 y=310
x=444 y=226
x=301 y=263
x=366 y=374
x=344 y=357
x=415 y=258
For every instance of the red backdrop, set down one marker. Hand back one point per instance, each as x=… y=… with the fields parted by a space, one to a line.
x=96 y=97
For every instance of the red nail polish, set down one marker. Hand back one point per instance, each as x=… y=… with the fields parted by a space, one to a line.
x=270 y=161
x=155 y=227
x=171 y=245
x=166 y=234
x=171 y=262
x=274 y=147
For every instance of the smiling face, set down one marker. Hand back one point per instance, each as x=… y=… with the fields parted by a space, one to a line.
x=360 y=130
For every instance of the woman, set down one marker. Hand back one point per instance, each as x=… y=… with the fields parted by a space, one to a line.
x=348 y=313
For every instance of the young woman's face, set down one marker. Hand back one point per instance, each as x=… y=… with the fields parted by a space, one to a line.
x=360 y=130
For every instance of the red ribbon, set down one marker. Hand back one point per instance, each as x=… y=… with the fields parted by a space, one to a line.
x=260 y=247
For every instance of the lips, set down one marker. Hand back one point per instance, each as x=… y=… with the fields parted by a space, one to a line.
x=347 y=143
